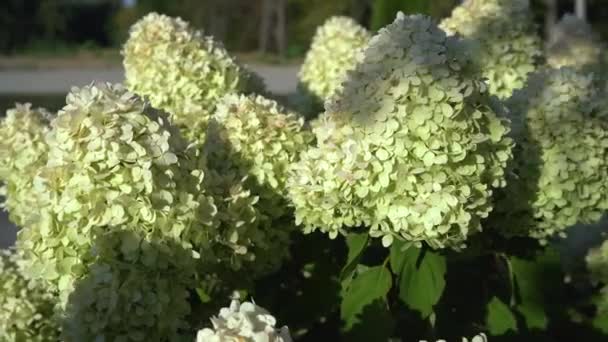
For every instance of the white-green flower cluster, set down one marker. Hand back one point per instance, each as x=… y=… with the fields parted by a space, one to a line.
x=507 y=43
x=26 y=309
x=243 y=322
x=559 y=176
x=573 y=43
x=410 y=147
x=182 y=71
x=333 y=52
x=22 y=151
x=261 y=138
x=123 y=221
x=597 y=264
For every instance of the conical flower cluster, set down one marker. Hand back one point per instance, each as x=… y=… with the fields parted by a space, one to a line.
x=182 y=71
x=410 y=147
x=507 y=44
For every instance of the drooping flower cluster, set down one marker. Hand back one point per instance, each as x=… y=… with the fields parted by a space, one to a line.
x=26 y=309
x=182 y=71
x=333 y=52
x=597 y=264
x=507 y=43
x=559 y=176
x=411 y=146
x=22 y=151
x=243 y=322
x=573 y=43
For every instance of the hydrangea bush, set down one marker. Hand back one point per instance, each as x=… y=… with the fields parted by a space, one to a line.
x=411 y=208
x=559 y=175
x=410 y=147
x=332 y=53
x=507 y=44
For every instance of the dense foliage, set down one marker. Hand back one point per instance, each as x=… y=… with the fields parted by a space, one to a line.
x=417 y=205
x=508 y=45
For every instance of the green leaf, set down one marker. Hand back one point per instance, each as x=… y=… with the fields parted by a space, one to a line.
x=375 y=324
x=356 y=245
x=500 y=318
x=370 y=285
x=421 y=282
x=600 y=322
x=534 y=279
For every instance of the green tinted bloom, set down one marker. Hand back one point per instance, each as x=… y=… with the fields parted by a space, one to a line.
x=262 y=139
x=560 y=170
x=26 y=309
x=507 y=43
x=410 y=147
x=119 y=178
x=22 y=152
x=333 y=52
x=182 y=71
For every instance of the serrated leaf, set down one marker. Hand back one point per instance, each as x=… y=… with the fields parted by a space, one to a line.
x=499 y=318
x=370 y=285
x=356 y=245
x=375 y=324
x=421 y=282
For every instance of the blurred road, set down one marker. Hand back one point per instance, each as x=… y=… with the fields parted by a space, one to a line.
x=279 y=79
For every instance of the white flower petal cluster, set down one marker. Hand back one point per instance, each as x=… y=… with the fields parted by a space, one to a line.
x=559 y=176
x=573 y=43
x=22 y=151
x=332 y=53
x=410 y=147
x=243 y=322
x=124 y=220
x=261 y=138
x=508 y=45
x=597 y=264
x=26 y=309
x=182 y=71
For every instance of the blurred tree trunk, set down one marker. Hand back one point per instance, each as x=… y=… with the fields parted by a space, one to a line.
x=550 y=18
x=273 y=24
x=265 y=18
x=581 y=9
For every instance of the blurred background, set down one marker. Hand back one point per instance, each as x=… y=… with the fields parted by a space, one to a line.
x=47 y=46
